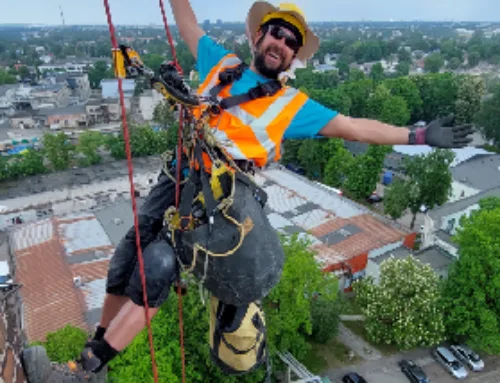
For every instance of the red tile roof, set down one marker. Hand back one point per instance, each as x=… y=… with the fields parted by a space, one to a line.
x=50 y=299
x=91 y=271
x=374 y=234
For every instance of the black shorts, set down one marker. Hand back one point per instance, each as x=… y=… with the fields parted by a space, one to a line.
x=160 y=263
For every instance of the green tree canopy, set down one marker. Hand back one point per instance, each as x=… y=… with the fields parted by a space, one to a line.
x=434 y=62
x=58 y=150
x=404 y=309
x=471 y=292
x=427 y=183
x=487 y=118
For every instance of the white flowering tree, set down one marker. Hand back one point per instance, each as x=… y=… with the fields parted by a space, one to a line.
x=404 y=308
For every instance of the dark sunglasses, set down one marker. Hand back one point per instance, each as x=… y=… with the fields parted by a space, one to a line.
x=290 y=40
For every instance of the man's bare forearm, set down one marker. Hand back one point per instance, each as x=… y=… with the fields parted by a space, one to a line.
x=186 y=21
x=376 y=132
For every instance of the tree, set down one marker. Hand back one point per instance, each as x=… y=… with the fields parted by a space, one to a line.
x=487 y=118
x=474 y=58
x=88 y=145
x=58 y=149
x=288 y=321
x=454 y=63
x=359 y=93
x=311 y=158
x=427 y=183
x=325 y=319
x=365 y=172
x=470 y=295
x=404 y=309
x=433 y=63
x=339 y=162
x=395 y=111
x=407 y=89
x=402 y=69
x=153 y=61
x=6 y=78
x=356 y=75
x=470 y=92
x=26 y=164
x=335 y=99
x=99 y=72
x=377 y=73
x=291 y=151
x=438 y=92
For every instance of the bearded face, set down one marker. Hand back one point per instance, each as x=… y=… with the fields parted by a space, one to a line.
x=274 y=51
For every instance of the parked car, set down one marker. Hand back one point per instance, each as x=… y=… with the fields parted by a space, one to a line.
x=468 y=357
x=353 y=377
x=450 y=363
x=374 y=198
x=413 y=372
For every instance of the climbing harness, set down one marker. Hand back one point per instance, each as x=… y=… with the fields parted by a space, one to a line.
x=215 y=224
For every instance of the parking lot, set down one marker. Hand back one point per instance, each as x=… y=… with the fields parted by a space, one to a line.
x=386 y=370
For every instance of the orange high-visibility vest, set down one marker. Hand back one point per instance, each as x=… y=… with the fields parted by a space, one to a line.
x=252 y=130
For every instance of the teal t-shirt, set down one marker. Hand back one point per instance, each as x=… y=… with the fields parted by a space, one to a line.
x=308 y=121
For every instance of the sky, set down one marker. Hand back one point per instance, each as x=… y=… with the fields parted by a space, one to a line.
x=147 y=11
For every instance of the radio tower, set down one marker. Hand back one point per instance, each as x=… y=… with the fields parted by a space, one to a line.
x=62 y=16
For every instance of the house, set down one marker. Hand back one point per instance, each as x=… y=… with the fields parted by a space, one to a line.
x=78 y=83
x=67 y=117
x=23 y=120
x=56 y=95
x=103 y=111
x=475 y=178
x=437 y=258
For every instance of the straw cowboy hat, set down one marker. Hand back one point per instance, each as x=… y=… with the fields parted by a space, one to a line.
x=262 y=11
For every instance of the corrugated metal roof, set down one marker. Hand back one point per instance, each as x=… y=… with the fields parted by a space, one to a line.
x=304 y=188
x=94 y=293
x=461 y=155
x=83 y=235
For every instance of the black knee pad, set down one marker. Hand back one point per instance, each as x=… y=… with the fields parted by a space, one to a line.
x=161 y=270
x=123 y=262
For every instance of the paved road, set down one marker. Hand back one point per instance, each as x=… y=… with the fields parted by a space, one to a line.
x=386 y=370
x=357 y=344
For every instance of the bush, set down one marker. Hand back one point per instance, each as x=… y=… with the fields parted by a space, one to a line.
x=325 y=319
x=65 y=344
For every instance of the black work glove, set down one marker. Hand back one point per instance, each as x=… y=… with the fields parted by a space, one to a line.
x=438 y=135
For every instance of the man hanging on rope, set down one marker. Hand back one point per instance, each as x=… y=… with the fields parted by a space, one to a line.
x=250 y=128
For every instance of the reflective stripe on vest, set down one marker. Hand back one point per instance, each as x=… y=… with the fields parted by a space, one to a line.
x=253 y=130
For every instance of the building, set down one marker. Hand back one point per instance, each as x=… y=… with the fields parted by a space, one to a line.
x=110 y=88
x=23 y=120
x=75 y=208
x=103 y=111
x=68 y=117
x=56 y=95
x=148 y=101
x=437 y=258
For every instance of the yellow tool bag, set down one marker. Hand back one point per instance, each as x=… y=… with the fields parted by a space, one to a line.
x=237 y=337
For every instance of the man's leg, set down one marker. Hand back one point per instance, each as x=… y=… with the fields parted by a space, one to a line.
x=161 y=271
x=161 y=197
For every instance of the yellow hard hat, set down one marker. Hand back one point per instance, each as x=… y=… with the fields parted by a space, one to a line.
x=262 y=11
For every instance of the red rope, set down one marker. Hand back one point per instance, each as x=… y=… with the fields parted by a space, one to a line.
x=177 y=186
x=132 y=193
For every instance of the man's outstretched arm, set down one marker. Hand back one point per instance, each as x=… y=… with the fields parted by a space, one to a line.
x=185 y=20
x=437 y=134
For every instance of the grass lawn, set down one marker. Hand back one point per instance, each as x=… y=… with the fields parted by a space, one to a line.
x=358 y=328
x=324 y=357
